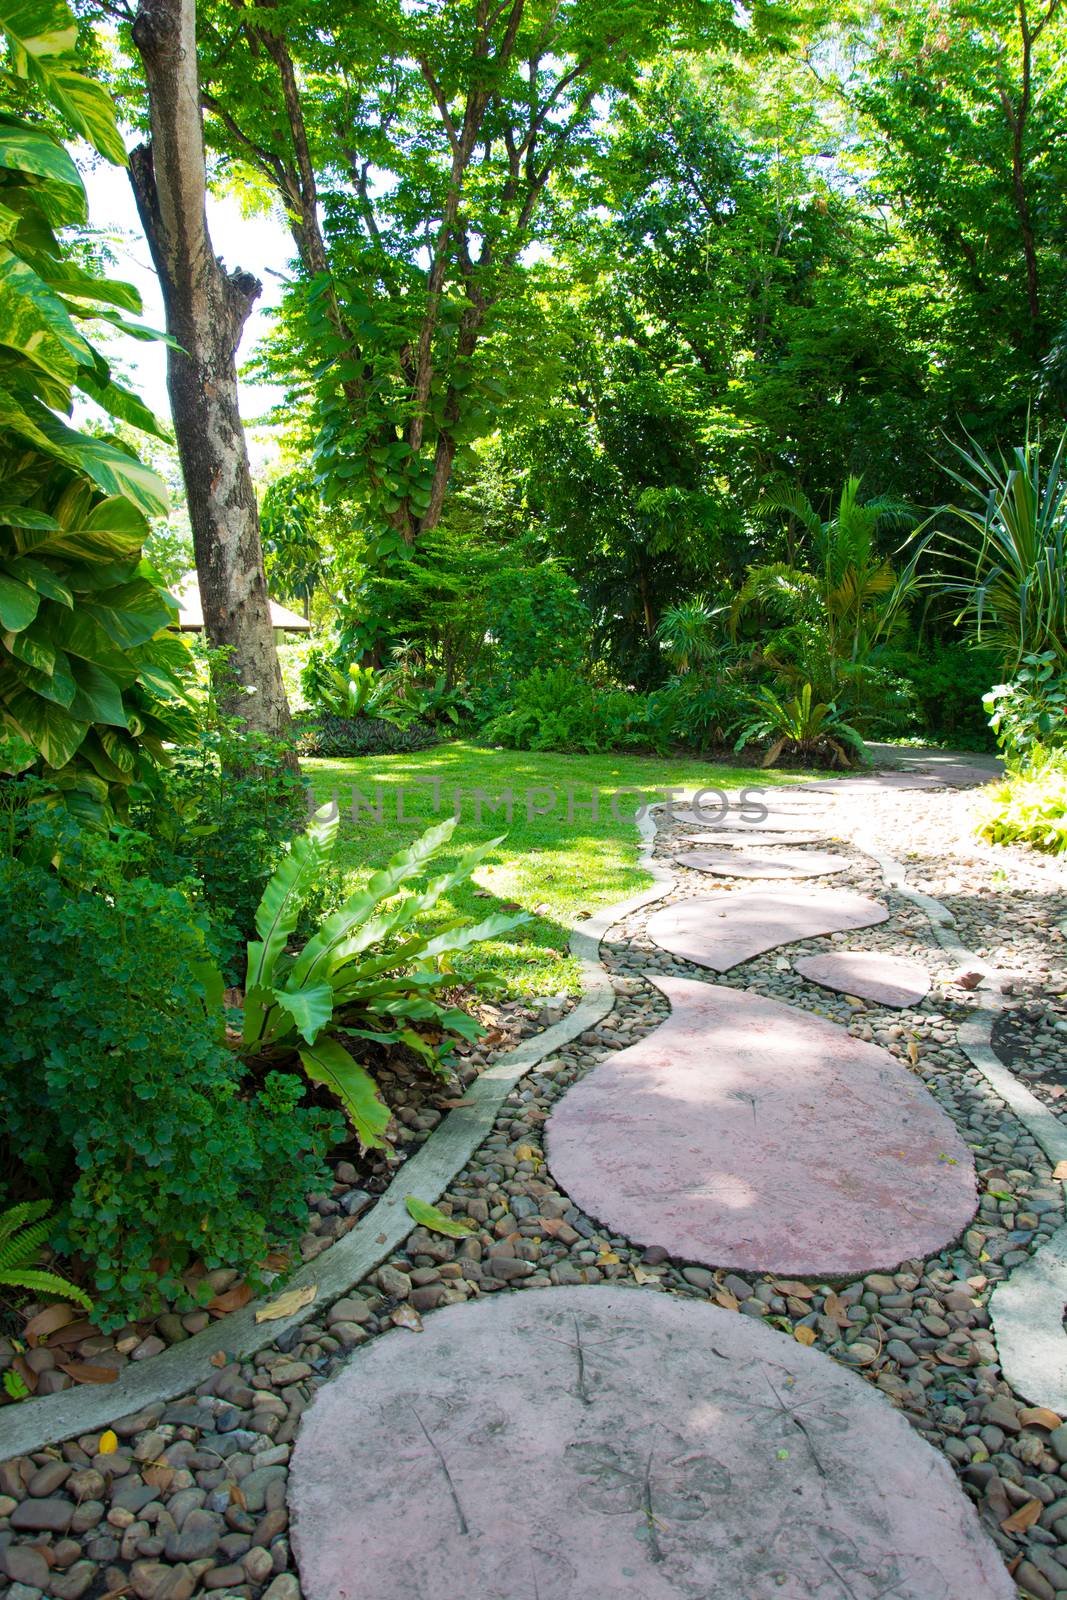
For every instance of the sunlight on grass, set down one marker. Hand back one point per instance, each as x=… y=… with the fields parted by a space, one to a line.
x=556 y=866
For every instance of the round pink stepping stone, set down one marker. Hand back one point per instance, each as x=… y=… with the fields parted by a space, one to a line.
x=744 y=1133
x=869 y=975
x=601 y=1443
x=740 y=839
x=721 y=932
x=782 y=864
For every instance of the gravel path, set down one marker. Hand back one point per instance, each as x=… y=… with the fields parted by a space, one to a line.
x=194 y=1496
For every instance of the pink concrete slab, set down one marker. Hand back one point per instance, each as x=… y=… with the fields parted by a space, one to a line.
x=765 y=864
x=746 y=821
x=744 y=1133
x=743 y=839
x=603 y=1443
x=869 y=975
x=722 y=932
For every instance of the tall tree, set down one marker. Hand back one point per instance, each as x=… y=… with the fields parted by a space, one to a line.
x=415 y=149
x=206 y=309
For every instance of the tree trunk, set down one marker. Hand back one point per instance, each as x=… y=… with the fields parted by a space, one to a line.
x=206 y=309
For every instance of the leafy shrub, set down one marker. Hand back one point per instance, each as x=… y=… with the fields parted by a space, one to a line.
x=370 y=970
x=558 y=710
x=537 y=622
x=89 y=680
x=699 y=710
x=946 y=684
x=1030 y=806
x=220 y=822
x=352 y=691
x=801 y=729
x=119 y=1091
x=325 y=735
x=1031 y=711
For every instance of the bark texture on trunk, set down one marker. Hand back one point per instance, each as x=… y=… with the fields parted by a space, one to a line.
x=206 y=308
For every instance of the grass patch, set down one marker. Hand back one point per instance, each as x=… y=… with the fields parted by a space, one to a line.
x=561 y=866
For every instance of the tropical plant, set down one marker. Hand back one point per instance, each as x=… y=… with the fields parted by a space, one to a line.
x=800 y=728
x=89 y=677
x=368 y=973
x=355 y=691
x=436 y=702
x=24 y=1231
x=852 y=597
x=686 y=633
x=1008 y=571
x=1030 y=805
x=1032 y=709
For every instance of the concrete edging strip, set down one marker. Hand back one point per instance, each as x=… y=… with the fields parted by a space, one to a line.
x=177 y=1370
x=1027 y=1308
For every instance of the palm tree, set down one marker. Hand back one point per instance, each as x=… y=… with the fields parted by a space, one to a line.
x=849 y=600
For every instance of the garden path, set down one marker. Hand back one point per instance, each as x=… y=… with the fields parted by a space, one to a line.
x=602 y=1442
x=650 y=1425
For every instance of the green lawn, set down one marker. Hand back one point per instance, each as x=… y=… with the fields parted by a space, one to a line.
x=556 y=866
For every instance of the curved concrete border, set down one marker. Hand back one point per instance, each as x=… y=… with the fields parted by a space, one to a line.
x=178 y=1369
x=1027 y=1308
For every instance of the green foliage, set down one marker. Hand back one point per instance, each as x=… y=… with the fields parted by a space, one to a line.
x=700 y=709
x=89 y=678
x=945 y=684
x=119 y=1091
x=219 y=824
x=372 y=970
x=557 y=710
x=537 y=623
x=24 y=1230
x=1007 y=569
x=325 y=735
x=801 y=729
x=352 y=691
x=1030 y=806
x=1031 y=711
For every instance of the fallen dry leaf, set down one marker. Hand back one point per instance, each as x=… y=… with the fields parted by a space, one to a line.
x=72 y=1333
x=1022 y=1519
x=913 y=1052
x=799 y=1291
x=642 y=1277
x=108 y=1443
x=804 y=1335
x=46 y=1322
x=218 y=1359
x=285 y=1305
x=835 y=1308
x=723 y=1297
x=406 y=1316
x=231 y=1300
x=1039 y=1417
x=159 y=1475
x=237 y=1497
x=1059 y=1172
x=88 y=1372
x=526 y=1152
x=607 y=1258
x=26 y=1373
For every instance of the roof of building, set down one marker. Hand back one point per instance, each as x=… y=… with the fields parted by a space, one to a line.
x=191 y=612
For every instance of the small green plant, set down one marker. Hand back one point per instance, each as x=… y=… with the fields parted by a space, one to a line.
x=24 y=1231
x=353 y=691
x=368 y=973
x=1030 y=805
x=560 y=710
x=802 y=729
x=436 y=702
x=1031 y=710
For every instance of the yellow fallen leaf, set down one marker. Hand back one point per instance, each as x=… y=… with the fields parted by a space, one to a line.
x=641 y=1276
x=913 y=1052
x=526 y=1152
x=607 y=1258
x=285 y=1305
x=109 y=1443
x=1059 y=1172
x=723 y=1297
x=804 y=1335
